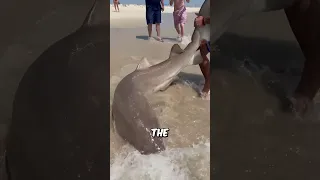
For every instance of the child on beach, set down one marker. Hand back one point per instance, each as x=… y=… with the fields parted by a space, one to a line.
x=116 y=5
x=179 y=16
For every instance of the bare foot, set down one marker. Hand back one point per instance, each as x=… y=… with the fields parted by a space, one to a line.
x=298 y=104
x=179 y=38
x=205 y=95
x=206 y=87
x=159 y=39
x=205 y=92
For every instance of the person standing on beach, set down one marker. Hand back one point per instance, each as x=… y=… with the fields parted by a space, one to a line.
x=201 y=21
x=153 y=16
x=116 y=5
x=179 y=16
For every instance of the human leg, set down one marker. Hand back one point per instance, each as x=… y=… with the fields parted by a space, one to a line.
x=205 y=67
x=115 y=5
x=157 y=21
x=305 y=26
x=158 y=30
x=150 y=30
x=182 y=29
x=183 y=20
x=118 y=7
x=176 y=23
x=149 y=19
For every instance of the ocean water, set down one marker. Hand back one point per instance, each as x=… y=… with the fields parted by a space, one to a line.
x=179 y=108
x=188 y=146
x=193 y=3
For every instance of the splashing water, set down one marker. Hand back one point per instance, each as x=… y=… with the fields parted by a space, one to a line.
x=176 y=164
x=188 y=149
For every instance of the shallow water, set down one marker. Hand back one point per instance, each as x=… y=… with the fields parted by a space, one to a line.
x=179 y=108
x=188 y=149
x=254 y=138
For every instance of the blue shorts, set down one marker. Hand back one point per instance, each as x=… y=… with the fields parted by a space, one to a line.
x=153 y=14
x=208 y=46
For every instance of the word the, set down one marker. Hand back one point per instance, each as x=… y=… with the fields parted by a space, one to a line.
x=160 y=132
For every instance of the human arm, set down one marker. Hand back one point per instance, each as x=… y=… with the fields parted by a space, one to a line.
x=171 y=2
x=162 y=3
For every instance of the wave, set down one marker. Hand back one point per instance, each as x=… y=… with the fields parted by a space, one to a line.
x=176 y=164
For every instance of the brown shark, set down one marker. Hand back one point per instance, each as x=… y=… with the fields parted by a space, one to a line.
x=133 y=116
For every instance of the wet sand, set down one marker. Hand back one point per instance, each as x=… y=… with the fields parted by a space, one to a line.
x=253 y=138
x=259 y=62
x=179 y=108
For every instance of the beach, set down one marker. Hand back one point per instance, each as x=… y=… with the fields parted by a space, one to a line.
x=132 y=15
x=256 y=61
x=179 y=108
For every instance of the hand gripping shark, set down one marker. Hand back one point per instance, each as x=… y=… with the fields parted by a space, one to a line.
x=132 y=115
x=204 y=31
x=205 y=12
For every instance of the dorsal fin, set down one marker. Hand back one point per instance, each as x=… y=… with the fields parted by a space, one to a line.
x=90 y=16
x=175 y=50
x=143 y=64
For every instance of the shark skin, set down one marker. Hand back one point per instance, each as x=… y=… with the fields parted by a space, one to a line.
x=132 y=115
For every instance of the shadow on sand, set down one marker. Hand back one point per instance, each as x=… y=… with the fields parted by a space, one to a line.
x=276 y=54
x=280 y=61
x=195 y=80
x=254 y=138
x=163 y=38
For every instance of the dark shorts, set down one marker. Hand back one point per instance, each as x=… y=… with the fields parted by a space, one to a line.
x=208 y=46
x=153 y=14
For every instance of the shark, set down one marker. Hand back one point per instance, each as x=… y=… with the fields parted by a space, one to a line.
x=132 y=114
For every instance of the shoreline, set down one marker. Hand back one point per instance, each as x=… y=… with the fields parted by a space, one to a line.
x=132 y=15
